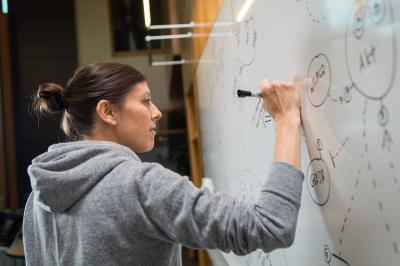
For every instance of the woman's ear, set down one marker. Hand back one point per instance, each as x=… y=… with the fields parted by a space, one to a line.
x=107 y=112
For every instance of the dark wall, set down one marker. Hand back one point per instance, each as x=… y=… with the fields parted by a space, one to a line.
x=43 y=44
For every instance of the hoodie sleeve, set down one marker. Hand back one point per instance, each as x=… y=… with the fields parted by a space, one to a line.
x=198 y=218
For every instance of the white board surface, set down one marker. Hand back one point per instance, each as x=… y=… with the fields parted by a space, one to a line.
x=348 y=54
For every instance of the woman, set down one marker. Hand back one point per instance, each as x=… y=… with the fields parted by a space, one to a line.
x=95 y=203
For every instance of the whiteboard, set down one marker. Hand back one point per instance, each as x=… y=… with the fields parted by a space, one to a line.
x=347 y=53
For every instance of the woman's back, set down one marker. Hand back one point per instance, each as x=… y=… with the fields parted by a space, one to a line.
x=95 y=202
x=86 y=211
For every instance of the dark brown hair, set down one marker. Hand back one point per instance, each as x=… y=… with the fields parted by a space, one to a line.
x=88 y=85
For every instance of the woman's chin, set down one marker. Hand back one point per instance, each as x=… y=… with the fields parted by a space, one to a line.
x=149 y=147
x=142 y=148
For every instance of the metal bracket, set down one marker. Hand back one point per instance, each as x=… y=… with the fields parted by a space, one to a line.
x=187 y=35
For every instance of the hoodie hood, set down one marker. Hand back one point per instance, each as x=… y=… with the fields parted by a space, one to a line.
x=68 y=171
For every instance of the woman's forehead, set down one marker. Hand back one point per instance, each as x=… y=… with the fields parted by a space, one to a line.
x=140 y=89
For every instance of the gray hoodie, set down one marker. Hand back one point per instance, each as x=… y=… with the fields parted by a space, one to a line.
x=97 y=203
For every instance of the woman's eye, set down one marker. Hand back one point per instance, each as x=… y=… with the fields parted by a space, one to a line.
x=147 y=101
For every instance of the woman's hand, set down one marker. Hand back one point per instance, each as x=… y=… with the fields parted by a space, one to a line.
x=281 y=100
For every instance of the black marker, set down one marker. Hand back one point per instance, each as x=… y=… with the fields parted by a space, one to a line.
x=242 y=94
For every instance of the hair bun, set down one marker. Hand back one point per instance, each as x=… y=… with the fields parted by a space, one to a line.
x=49 y=98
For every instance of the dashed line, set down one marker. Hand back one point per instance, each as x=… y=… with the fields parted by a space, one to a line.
x=369 y=166
x=396 y=250
x=387 y=227
x=338 y=152
x=396 y=183
x=341 y=147
x=314 y=19
x=365 y=107
x=395 y=179
x=346 y=218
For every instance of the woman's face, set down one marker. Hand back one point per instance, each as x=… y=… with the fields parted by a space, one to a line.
x=136 y=119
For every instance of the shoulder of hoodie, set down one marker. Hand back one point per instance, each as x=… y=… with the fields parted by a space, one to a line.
x=131 y=169
x=94 y=143
x=132 y=166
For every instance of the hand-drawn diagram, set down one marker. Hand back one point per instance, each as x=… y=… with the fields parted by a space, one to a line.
x=371 y=48
x=245 y=40
x=318 y=80
x=370 y=166
x=318 y=179
x=347 y=54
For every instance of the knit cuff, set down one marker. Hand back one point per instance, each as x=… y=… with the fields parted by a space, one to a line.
x=285 y=178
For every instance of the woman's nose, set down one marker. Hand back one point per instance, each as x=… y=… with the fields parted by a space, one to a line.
x=156 y=115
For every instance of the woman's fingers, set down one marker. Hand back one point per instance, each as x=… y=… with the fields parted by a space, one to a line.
x=280 y=99
x=265 y=87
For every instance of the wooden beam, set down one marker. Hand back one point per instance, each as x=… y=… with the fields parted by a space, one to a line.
x=196 y=160
x=3 y=191
x=202 y=11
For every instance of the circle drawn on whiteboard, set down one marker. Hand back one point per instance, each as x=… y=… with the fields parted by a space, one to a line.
x=383 y=116
x=378 y=10
x=327 y=254
x=318 y=181
x=359 y=23
x=318 y=79
x=370 y=47
x=347 y=94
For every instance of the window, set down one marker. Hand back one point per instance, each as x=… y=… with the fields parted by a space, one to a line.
x=128 y=26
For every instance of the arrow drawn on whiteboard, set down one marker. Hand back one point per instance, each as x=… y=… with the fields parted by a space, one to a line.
x=333 y=156
x=328 y=255
x=341 y=259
